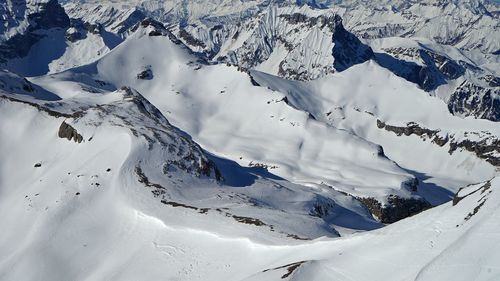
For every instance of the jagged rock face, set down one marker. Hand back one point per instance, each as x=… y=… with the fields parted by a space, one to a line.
x=348 y=49
x=146 y=74
x=473 y=100
x=156 y=28
x=24 y=22
x=432 y=70
x=473 y=25
x=308 y=43
x=70 y=133
x=109 y=18
x=396 y=209
x=482 y=145
x=476 y=96
x=49 y=15
x=473 y=28
x=459 y=197
x=298 y=43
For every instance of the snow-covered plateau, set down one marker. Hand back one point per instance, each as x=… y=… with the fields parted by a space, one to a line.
x=249 y=140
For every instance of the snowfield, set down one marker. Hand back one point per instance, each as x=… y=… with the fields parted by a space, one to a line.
x=165 y=140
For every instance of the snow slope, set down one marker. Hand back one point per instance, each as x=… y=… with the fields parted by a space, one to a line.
x=134 y=153
x=355 y=99
x=223 y=111
x=60 y=220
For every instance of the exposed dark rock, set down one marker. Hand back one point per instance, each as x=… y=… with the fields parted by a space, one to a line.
x=48 y=15
x=248 y=220
x=27 y=86
x=483 y=149
x=157 y=28
x=410 y=129
x=296 y=18
x=142 y=178
x=474 y=100
x=70 y=133
x=51 y=15
x=486 y=149
x=190 y=40
x=483 y=188
x=348 y=50
x=177 y=205
x=397 y=208
x=436 y=70
x=492 y=81
x=94 y=28
x=146 y=74
x=131 y=22
x=290 y=268
x=73 y=35
x=39 y=107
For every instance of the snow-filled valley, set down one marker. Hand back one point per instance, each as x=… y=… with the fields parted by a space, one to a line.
x=247 y=140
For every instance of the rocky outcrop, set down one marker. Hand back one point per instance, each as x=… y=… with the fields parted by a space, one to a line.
x=435 y=69
x=414 y=129
x=473 y=100
x=155 y=28
x=68 y=132
x=73 y=34
x=396 y=208
x=487 y=147
x=347 y=49
x=457 y=198
x=190 y=40
x=41 y=15
x=146 y=74
x=479 y=98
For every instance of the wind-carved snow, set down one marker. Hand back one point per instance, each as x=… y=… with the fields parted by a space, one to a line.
x=248 y=124
x=151 y=153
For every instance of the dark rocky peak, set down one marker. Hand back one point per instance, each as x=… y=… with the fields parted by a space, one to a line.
x=348 y=50
x=333 y=21
x=34 y=16
x=436 y=70
x=79 y=30
x=125 y=22
x=155 y=28
x=474 y=100
x=51 y=14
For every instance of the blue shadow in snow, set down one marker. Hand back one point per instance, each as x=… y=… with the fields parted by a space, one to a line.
x=238 y=176
x=433 y=193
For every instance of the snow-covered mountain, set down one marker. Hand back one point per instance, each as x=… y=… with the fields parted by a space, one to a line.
x=303 y=42
x=249 y=140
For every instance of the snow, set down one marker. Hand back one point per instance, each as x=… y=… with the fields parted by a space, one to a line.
x=229 y=116
x=140 y=197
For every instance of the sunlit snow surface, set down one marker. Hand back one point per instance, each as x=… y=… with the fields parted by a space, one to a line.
x=81 y=211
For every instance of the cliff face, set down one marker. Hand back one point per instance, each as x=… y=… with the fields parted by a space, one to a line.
x=25 y=23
